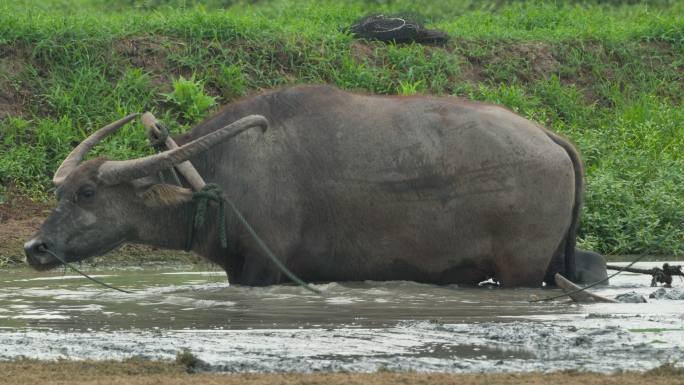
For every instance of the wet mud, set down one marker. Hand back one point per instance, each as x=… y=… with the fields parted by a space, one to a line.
x=356 y=327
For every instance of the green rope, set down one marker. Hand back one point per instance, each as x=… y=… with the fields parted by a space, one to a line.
x=212 y=192
x=209 y=193
x=176 y=179
x=268 y=251
x=159 y=144
x=72 y=267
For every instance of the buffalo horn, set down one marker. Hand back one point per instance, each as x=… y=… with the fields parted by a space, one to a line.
x=117 y=171
x=78 y=153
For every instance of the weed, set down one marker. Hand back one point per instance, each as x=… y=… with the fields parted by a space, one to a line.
x=189 y=97
x=406 y=88
x=231 y=80
x=189 y=361
x=666 y=369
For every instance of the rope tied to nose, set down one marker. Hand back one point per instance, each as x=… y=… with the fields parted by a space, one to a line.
x=75 y=269
x=211 y=192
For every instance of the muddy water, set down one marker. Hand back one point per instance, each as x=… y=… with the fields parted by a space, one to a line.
x=352 y=326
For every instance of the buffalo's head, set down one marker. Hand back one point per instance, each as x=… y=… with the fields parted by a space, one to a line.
x=103 y=203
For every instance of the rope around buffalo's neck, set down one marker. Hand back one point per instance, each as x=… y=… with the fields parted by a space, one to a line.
x=72 y=267
x=212 y=192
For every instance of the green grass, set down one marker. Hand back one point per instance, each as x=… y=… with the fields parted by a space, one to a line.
x=608 y=75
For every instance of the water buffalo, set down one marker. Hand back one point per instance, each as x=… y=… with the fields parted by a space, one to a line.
x=590 y=267
x=341 y=186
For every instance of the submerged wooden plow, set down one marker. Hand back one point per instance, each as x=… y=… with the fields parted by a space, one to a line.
x=659 y=275
x=581 y=295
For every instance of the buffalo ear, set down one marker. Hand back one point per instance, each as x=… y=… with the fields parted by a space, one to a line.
x=159 y=195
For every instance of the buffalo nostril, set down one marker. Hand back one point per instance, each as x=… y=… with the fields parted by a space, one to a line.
x=37 y=253
x=35 y=247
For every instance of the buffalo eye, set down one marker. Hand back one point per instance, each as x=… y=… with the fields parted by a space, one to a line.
x=85 y=193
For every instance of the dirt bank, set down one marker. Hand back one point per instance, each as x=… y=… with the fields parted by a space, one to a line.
x=136 y=372
x=20 y=217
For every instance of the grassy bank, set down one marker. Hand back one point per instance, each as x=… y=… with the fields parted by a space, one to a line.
x=609 y=75
x=148 y=372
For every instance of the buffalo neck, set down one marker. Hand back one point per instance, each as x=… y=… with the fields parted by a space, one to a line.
x=171 y=227
x=166 y=227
